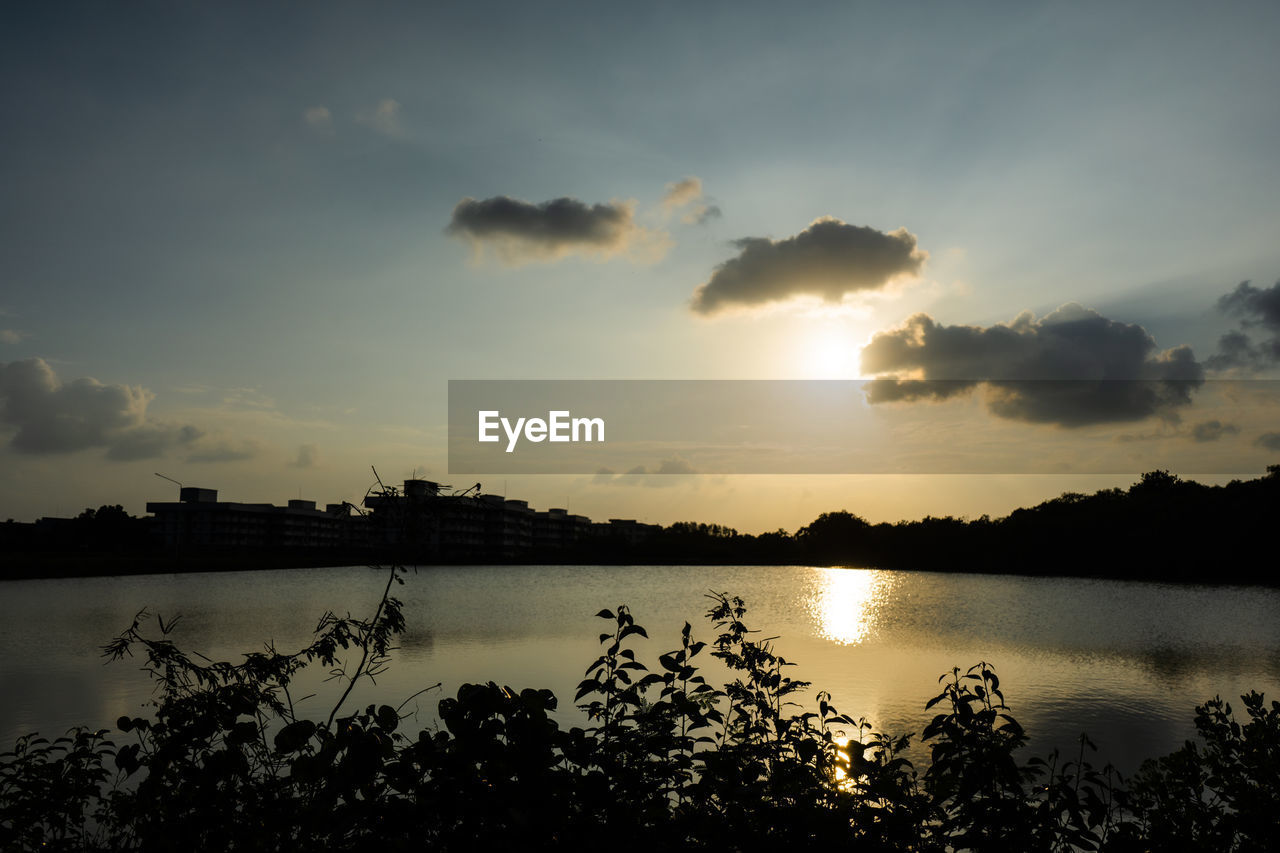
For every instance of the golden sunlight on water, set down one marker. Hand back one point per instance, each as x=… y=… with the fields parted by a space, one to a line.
x=845 y=603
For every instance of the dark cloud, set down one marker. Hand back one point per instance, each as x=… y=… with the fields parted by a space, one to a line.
x=1269 y=440
x=1073 y=367
x=50 y=416
x=150 y=441
x=1235 y=350
x=1258 y=309
x=905 y=390
x=829 y=259
x=57 y=417
x=1212 y=430
x=520 y=231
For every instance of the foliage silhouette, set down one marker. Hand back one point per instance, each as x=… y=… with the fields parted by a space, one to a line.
x=1140 y=532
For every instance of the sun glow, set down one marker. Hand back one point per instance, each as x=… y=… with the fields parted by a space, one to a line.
x=830 y=352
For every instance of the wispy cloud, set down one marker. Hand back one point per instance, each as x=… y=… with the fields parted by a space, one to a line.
x=1212 y=431
x=671 y=471
x=383 y=118
x=226 y=450
x=682 y=192
x=247 y=398
x=687 y=193
x=319 y=118
x=308 y=457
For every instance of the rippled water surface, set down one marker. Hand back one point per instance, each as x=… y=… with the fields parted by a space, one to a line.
x=1126 y=662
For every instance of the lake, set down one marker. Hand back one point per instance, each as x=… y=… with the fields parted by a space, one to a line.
x=1126 y=662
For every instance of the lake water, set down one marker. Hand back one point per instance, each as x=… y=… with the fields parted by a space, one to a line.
x=1126 y=662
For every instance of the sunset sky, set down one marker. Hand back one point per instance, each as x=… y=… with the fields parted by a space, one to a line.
x=247 y=246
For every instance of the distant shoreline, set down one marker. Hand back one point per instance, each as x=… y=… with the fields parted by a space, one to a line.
x=61 y=566
x=1160 y=529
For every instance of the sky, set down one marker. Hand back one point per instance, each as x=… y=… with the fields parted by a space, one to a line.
x=247 y=245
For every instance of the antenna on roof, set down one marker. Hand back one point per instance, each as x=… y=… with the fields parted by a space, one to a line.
x=170 y=479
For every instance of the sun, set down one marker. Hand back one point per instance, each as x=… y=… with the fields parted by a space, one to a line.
x=829 y=351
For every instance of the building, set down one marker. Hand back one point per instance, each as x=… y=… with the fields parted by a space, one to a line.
x=626 y=530
x=199 y=520
x=557 y=530
x=475 y=527
x=422 y=521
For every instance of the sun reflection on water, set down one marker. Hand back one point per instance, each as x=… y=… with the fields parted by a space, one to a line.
x=845 y=603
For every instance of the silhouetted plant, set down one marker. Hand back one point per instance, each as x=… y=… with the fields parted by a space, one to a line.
x=51 y=791
x=1222 y=795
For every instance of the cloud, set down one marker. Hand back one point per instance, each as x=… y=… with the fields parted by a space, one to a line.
x=384 y=118
x=150 y=441
x=520 y=231
x=1235 y=350
x=1073 y=367
x=701 y=214
x=226 y=451
x=688 y=193
x=682 y=192
x=1257 y=308
x=55 y=417
x=50 y=416
x=1212 y=430
x=674 y=465
x=1160 y=435
x=308 y=457
x=669 y=472
x=247 y=398
x=13 y=336
x=318 y=117
x=1205 y=431
x=1269 y=440
x=830 y=259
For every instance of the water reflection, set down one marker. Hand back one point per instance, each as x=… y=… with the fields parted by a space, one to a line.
x=846 y=603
